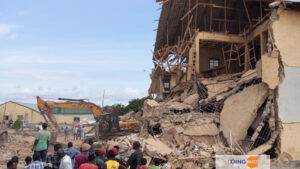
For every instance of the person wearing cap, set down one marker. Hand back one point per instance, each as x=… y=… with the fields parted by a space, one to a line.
x=116 y=154
x=103 y=154
x=134 y=160
x=98 y=161
x=111 y=163
x=83 y=156
x=118 y=148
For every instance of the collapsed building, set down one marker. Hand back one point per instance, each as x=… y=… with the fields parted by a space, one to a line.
x=227 y=73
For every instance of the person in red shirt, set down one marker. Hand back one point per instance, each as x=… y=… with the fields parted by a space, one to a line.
x=144 y=163
x=90 y=164
x=83 y=156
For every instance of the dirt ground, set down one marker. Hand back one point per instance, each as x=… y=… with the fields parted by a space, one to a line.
x=20 y=143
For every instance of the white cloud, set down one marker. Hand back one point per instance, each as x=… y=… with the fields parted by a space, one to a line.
x=6 y=29
x=132 y=92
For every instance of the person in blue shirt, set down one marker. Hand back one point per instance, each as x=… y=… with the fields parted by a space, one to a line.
x=37 y=163
x=71 y=152
x=66 y=133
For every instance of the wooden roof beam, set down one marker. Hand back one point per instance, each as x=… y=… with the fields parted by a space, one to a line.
x=220 y=37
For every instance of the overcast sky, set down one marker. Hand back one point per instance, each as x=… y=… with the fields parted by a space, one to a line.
x=76 y=49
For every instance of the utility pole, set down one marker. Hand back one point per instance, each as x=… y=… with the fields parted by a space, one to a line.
x=103 y=98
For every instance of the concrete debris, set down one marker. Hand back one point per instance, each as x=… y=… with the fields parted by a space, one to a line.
x=203 y=130
x=3 y=137
x=154 y=147
x=238 y=113
x=210 y=116
x=270 y=71
x=149 y=106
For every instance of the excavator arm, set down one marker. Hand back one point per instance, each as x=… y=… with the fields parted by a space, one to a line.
x=47 y=114
x=69 y=103
x=111 y=119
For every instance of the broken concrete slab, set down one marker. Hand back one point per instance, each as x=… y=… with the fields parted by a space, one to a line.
x=259 y=69
x=192 y=99
x=288 y=43
x=202 y=130
x=260 y=150
x=238 y=113
x=149 y=106
x=250 y=74
x=155 y=146
x=270 y=69
x=179 y=106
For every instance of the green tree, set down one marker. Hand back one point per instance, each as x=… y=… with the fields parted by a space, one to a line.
x=17 y=124
x=134 y=104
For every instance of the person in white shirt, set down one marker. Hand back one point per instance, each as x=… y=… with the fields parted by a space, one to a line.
x=65 y=162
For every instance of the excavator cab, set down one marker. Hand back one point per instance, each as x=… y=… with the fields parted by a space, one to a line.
x=109 y=123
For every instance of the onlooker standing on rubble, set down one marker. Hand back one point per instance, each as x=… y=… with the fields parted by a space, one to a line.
x=66 y=131
x=54 y=158
x=41 y=142
x=82 y=133
x=83 y=156
x=79 y=133
x=75 y=132
x=71 y=152
x=10 y=123
x=134 y=160
x=111 y=163
x=65 y=160
x=96 y=127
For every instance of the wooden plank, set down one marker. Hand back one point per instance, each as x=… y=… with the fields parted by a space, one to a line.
x=249 y=19
x=219 y=37
x=263 y=43
x=247 y=57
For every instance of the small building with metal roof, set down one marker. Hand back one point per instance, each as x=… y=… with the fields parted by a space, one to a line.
x=28 y=112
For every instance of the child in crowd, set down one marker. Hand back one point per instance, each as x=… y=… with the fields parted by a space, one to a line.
x=144 y=163
x=28 y=161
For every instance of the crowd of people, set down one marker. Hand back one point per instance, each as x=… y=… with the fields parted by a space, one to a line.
x=87 y=157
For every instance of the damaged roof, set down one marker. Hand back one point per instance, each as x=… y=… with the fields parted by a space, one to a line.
x=207 y=15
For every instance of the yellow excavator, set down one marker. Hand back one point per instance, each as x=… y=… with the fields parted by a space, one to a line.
x=109 y=123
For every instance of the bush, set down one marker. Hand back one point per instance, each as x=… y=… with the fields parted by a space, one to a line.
x=17 y=124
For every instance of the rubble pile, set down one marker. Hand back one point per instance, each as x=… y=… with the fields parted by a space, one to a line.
x=16 y=144
x=230 y=114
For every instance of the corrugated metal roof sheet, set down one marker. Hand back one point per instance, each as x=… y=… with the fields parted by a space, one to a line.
x=29 y=105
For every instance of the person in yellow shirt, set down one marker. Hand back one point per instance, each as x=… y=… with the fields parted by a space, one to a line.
x=111 y=163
